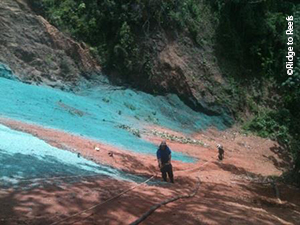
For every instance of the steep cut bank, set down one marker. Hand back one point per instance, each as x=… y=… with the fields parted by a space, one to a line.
x=39 y=53
x=181 y=66
x=154 y=46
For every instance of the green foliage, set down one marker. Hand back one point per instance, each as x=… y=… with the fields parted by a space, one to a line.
x=252 y=34
x=279 y=125
x=117 y=30
x=273 y=124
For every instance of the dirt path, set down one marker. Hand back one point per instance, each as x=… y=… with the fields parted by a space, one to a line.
x=235 y=191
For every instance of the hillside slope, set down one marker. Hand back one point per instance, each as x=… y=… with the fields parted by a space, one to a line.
x=37 y=52
x=142 y=45
x=238 y=190
x=86 y=154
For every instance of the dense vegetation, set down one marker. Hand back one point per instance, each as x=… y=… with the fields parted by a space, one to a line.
x=252 y=34
x=250 y=39
x=117 y=32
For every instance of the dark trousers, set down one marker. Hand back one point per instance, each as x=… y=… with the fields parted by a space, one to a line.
x=221 y=156
x=167 y=169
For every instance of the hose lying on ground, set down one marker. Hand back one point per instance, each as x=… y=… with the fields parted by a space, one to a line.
x=155 y=207
x=102 y=203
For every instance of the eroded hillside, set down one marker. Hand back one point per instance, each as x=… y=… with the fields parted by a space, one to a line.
x=37 y=52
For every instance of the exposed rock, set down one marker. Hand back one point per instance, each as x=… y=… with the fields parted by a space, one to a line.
x=164 y=135
x=135 y=132
x=172 y=137
x=37 y=52
x=191 y=71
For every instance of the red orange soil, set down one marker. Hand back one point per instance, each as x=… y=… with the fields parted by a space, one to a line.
x=234 y=191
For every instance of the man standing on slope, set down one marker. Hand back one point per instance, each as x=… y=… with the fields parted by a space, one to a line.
x=164 y=161
x=221 y=152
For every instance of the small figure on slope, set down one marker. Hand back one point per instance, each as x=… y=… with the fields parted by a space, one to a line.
x=221 y=152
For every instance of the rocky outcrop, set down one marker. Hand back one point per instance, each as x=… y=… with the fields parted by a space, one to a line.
x=184 y=74
x=37 y=52
x=182 y=67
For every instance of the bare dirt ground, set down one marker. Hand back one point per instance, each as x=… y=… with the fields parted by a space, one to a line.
x=235 y=191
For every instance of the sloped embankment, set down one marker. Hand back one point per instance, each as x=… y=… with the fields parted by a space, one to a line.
x=37 y=52
x=23 y=156
x=101 y=112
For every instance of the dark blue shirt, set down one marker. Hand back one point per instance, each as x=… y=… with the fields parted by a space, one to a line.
x=163 y=155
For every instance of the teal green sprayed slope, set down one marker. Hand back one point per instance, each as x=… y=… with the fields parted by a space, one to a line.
x=97 y=112
x=25 y=156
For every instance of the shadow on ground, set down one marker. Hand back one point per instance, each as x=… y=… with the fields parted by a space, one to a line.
x=241 y=203
x=285 y=161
